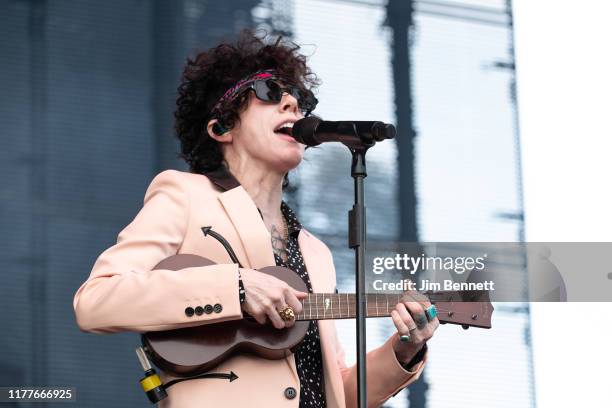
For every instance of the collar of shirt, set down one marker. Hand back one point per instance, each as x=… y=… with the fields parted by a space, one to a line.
x=225 y=180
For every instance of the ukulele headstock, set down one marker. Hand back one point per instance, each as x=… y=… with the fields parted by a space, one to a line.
x=468 y=309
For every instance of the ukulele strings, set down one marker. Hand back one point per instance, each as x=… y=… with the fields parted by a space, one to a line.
x=339 y=305
x=320 y=311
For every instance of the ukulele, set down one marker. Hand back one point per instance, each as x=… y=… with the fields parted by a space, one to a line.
x=192 y=351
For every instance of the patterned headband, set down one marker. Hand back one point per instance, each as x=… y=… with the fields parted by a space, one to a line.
x=230 y=93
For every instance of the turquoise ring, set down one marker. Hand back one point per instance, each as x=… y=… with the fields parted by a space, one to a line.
x=405 y=338
x=431 y=312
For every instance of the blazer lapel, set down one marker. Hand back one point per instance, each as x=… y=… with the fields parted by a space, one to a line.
x=250 y=227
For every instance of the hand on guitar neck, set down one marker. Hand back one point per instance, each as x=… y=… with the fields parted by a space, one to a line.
x=414 y=327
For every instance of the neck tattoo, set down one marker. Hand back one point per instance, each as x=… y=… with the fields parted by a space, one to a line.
x=279 y=240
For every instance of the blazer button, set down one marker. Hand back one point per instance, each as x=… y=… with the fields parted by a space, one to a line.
x=208 y=309
x=218 y=308
x=199 y=310
x=189 y=311
x=290 y=393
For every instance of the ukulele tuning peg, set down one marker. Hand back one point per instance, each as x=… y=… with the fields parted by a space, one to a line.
x=465 y=326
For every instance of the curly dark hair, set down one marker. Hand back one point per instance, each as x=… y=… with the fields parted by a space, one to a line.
x=211 y=73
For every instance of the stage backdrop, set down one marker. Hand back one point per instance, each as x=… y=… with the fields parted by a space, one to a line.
x=87 y=92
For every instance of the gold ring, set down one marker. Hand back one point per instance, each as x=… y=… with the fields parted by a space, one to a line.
x=287 y=314
x=412 y=328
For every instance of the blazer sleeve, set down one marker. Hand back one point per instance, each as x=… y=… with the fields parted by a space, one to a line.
x=123 y=293
x=385 y=376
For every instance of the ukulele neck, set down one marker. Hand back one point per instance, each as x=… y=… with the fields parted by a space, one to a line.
x=321 y=306
x=465 y=308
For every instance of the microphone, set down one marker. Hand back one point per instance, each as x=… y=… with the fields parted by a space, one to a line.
x=313 y=131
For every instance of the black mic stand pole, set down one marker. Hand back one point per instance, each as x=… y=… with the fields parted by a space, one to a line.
x=357 y=241
x=358 y=136
x=363 y=136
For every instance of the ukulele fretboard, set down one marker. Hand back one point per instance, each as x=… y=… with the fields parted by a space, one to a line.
x=318 y=306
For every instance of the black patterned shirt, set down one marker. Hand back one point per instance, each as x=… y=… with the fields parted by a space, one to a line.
x=308 y=357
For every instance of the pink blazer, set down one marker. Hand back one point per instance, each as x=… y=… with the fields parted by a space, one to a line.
x=124 y=294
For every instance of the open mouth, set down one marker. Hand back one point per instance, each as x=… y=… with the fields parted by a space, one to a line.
x=285 y=129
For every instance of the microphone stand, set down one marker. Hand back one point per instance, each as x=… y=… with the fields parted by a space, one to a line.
x=358 y=136
x=357 y=241
x=362 y=136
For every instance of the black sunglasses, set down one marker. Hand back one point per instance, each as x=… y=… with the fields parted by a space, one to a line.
x=269 y=90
